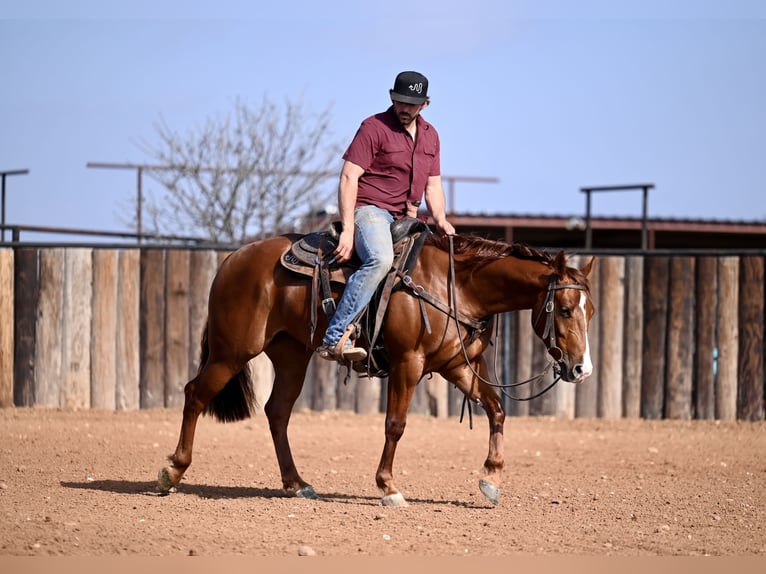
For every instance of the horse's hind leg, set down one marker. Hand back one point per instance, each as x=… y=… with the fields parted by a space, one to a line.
x=290 y=359
x=197 y=394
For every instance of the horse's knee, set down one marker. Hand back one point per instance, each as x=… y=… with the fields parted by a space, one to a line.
x=395 y=428
x=497 y=419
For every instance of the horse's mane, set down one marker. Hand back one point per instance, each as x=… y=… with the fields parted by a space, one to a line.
x=481 y=251
x=478 y=252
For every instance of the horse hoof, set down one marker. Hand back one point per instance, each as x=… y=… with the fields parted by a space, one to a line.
x=307 y=492
x=491 y=491
x=164 y=483
x=394 y=500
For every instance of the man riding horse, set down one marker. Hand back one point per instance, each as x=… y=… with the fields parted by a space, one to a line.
x=392 y=162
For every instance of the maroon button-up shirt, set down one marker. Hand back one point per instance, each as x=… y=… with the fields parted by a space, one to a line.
x=396 y=168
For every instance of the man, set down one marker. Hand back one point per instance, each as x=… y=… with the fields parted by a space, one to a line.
x=392 y=163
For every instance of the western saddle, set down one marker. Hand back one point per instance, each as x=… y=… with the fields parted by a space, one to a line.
x=312 y=255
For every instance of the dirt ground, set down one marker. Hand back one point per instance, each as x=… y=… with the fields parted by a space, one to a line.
x=82 y=483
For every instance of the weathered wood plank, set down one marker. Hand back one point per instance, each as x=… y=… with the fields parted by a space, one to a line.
x=656 y=274
x=128 y=369
x=152 y=324
x=509 y=329
x=49 y=341
x=203 y=265
x=751 y=348
x=524 y=343
x=680 y=351
x=322 y=380
x=704 y=355
x=346 y=389
x=727 y=336
x=634 y=328
x=78 y=294
x=26 y=289
x=367 y=394
x=6 y=327
x=176 y=326
x=438 y=395
x=612 y=305
x=103 y=343
x=545 y=404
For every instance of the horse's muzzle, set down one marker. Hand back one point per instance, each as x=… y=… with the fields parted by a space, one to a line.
x=577 y=374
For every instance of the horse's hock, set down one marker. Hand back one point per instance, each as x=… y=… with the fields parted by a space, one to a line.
x=674 y=336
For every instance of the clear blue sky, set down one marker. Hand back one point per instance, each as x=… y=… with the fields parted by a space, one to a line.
x=547 y=96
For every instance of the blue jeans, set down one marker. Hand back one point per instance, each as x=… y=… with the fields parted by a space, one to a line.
x=373 y=245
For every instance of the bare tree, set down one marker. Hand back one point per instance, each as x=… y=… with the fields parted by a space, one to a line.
x=248 y=175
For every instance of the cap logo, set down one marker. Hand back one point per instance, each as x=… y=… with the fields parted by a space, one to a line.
x=417 y=87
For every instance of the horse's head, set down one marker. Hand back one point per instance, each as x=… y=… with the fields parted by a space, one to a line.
x=561 y=317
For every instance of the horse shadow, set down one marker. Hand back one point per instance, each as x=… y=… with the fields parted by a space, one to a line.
x=215 y=492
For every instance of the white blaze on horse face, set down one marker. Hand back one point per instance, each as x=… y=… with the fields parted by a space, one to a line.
x=587 y=365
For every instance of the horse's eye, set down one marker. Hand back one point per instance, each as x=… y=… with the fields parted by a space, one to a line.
x=565 y=312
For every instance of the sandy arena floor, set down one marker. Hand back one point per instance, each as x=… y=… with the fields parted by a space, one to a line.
x=83 y=484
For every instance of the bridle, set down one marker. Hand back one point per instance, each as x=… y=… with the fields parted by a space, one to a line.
x=549 y=331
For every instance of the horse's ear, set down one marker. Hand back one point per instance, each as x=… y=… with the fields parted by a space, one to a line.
x=588 y=267
x=560 y=263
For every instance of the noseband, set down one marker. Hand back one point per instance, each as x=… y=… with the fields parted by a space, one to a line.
x=549 y=331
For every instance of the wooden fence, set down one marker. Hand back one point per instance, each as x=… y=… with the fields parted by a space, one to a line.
x=675 y=336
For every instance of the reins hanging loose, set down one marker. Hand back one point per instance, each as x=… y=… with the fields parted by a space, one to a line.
x=452 y=286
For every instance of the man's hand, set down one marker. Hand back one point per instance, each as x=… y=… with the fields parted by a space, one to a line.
x=345 y=248
x=445 y=227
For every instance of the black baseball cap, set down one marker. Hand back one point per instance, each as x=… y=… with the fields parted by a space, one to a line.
x=410 y=88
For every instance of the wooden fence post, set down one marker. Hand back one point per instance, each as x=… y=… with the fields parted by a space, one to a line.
x=128 y=370
x=633 y=340
x=368 y=394
x=437 y=388
x=6 y=328
x=525 y=340
x=152 y=335
x=75 y=363
x=26 y=289
x=176 y=361
x=727 y=335
x=545 y=404
x=103 y=392
x=680 y=339
x=612 y=305
x=49 y=332
x=322 y=384
x=704 y=356
x=751 y=349
x=203 y=265
x=656 y=272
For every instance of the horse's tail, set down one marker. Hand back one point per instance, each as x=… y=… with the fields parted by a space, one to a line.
x=236 y=399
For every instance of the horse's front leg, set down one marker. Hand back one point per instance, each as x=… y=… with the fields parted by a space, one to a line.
x=401 y=386
x=477 y=390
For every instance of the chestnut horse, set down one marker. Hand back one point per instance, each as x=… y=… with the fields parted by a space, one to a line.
x=257 y=306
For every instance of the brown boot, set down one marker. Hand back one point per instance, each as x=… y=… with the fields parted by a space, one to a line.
x=349 y=353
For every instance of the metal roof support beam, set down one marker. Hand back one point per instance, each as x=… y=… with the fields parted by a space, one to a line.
x=644 y=187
